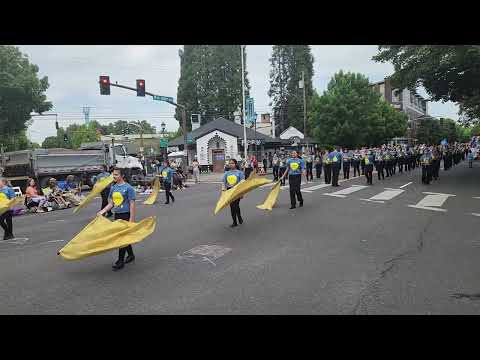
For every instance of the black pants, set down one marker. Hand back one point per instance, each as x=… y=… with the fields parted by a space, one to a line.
x=369 y=173
x=282 y=171
x=435 y=168
x=235 y=211
x=294 y=181
x=335 y=173
x=379 y=166
x=309 y=171
x=104 y=195
x=275 y=173
x=356 y=168
x=362 y=164
x=168 y=192
x=6 y=223
x=128 y=249
x=328 y=173
x=248 y=171
x=426 y=174
x=318 y=170
x=346 y=170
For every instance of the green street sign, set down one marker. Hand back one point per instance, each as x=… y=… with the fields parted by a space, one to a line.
x=163 y=143
x=163 y=98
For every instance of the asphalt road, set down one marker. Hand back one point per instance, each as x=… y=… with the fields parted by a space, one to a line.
x=336 y=255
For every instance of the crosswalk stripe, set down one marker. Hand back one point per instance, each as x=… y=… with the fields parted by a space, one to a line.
x=388 y=194
x=316 y=187
x=433 y=202
x=344 y=192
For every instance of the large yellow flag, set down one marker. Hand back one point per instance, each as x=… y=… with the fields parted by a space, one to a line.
x=5 y=205
x=102 y=235
x=239 y=190
x=271 y=198
x=153 y=197
x=99 y=186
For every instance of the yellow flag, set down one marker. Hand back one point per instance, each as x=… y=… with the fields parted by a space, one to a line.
x=5 y=205
x=271 y=198
x=239 y=190
x=102 y=235
x=153 y=197
x=99 y=186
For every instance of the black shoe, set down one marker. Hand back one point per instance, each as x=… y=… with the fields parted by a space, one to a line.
x=301 y=204
x=118 y=265
x=167 y=203
x=292 y=207
x=240 y=220
x=233 y=225
x=129 y=259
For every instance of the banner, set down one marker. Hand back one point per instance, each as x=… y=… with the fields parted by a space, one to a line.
x=6 y=205
x=271 y=198
x=102 y=235
x=153 y=197
x=239 y=190
x=99 y=186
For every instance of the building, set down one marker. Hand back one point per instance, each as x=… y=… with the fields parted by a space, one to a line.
x=412 y=104
x=266 y=125
x=221 y=139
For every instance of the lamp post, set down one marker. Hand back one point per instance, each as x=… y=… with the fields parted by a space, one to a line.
x=245 y=145
x=163 y=136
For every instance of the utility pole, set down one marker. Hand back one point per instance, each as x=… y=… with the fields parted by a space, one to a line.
x=245 y=145
x=304 y=108
x=86 y=112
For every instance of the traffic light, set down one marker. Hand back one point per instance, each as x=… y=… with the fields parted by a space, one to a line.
x=140 y=87
x=104 y=85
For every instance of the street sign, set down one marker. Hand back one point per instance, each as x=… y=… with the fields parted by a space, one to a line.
x=163 y=98
x=189 y=139
x=250 y=115
x=163 y=143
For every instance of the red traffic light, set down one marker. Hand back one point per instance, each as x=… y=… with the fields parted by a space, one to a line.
x=104 y=85
x=140 y=87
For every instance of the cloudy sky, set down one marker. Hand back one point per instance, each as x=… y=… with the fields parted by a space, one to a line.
x=73 y=75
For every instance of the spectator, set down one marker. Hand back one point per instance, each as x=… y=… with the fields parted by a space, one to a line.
x=34 y=200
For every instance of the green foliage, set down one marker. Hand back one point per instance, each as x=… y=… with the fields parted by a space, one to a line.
x=432 y=131
x=21 y=93
x=50 y=142
x=210 y=82
x=122 y=127
x=16 y=142
x=350 y=113
x=446 y=72
x=287 y=63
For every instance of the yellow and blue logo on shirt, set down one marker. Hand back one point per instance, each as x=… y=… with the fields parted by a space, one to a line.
x=117 y=198
x=232 y=179
x=3 y=196
x=294 y=165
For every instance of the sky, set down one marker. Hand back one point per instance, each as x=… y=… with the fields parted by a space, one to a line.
x=73 y=73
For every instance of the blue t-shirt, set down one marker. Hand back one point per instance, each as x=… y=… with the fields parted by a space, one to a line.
x=70 y=186
x=295 y=166
x=335 y=157
x=232 y=178
x=7 y=193
x=167 y=174
x=121 y=196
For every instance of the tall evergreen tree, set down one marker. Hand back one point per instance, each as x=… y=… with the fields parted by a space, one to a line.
x=210 y=81
x=287 y=63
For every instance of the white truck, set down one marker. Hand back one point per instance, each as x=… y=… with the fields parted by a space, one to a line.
x=84 y=164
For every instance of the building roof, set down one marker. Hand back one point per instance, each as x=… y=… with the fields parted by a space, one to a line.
x=226 y=126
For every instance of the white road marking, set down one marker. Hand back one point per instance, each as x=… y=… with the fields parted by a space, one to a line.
x=475 y=214
x=209 y=251
x=51 y=241
x=342 y=193
x=476 y=197
x=401 y=187
x=316 y=187
x=388 y=194
x=374 y=201
x=433 y=201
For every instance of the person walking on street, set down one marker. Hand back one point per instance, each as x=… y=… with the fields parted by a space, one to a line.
x=6 y=193
x=379 y=165
x=232 y=177
x=318 y=165
x=369 y=161
x=470 y=158
x=167 y=176
x=309 y=164
x=282 y=169
x=275 y=163
x=346 y=160
x=295 y=169
x=336 y=159
x=196 y=170
x=356 y=163
x=327 y=168
x=122 y=200
x=426 y=161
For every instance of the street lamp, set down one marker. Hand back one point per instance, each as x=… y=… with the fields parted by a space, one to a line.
x=163 y=136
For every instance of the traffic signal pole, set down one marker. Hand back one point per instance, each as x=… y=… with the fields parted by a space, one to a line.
x=184 y=122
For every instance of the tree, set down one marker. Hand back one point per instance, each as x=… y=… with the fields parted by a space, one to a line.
x=210 y=82
x=287 y=63
x=21 y=91
x=350 y=113
x=50 y=142
x=429 y=131
x=448 y=73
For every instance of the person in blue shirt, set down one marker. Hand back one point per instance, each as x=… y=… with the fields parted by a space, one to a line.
x=335 y=158
x=295 y=169
x=232 y=177
x=369 y=160
x=105 y=192
x=347 y=158
x=166 y=172
x=6 y=193
x=122 y=200
x=426 y=161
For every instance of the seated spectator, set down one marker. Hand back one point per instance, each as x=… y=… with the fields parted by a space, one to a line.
x=34 y=200
x=55 y=195
x=72 y=191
